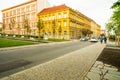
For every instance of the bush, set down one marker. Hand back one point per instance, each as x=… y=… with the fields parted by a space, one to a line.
x=112 y=37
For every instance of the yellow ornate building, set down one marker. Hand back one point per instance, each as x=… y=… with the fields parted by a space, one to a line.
x=95 y=28
x=64 y=22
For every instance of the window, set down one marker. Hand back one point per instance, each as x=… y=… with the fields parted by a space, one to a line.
x=14 y=12
x=33 y=7
x=65 y=23
x=53 y=17
x=34 y=32
x=22 y=10
x=65 y=33
x=10 y=13
x=59 y=16
x=18 y=19
x=3 y=15
x=33 y=24
x=28 y=8
x=64 y=15
x=59 y=23
x=7 y=14
x=18 y=11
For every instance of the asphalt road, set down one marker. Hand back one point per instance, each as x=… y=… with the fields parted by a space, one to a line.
x=31 y=56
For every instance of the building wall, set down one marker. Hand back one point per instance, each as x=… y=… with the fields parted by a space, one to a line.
x=95 y=28
x=70 y=21
x=56 y=24
x=18 y=13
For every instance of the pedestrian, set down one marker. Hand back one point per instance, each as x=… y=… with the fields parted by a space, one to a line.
x=105 y=39
x=101 y=39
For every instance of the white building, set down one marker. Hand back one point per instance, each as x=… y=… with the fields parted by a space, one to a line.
x=17 y=13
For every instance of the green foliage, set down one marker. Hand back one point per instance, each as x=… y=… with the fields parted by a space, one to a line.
x=111 y=37
x=12 y=22
x=26 y=25
x=114 y=22
x=0 y=29
x=53 y=26
x=86 y=32
x=39 y=26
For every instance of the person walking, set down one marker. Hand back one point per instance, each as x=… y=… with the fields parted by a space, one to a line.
x=105 y=39
x=101 y=39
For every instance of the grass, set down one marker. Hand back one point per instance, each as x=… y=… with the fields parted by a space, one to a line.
x=57 y=40
x=11 y=43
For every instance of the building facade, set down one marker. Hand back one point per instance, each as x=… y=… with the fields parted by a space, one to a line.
x=95 y=28
x=13 y=17
x=64 y=22
x=59 y=21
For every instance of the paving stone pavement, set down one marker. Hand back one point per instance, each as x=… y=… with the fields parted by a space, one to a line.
x=101 y=71
x=72 y=66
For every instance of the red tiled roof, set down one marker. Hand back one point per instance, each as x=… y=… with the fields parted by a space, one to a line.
x=54 y=8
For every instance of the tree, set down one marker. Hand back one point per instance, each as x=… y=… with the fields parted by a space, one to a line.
x=18 y=28
x=90 y=32
x=0 y=29
x=39 y=26
x=60 y=30
x=3 y=28
x=114 y=22
x=12 y=24
x=53 y=27
x=86 y=32
x=26 y=25
x=10 y=27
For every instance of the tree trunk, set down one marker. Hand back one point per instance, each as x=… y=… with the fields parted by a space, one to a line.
x=118 y=40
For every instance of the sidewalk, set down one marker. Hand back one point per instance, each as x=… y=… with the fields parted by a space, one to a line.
x=72 y=66
x=106 y=66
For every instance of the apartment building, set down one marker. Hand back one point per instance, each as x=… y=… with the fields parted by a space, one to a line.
x=95 y=28
x=64 y=22
x=13 y=17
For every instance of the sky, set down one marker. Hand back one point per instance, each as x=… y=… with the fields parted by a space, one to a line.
x=98 y=10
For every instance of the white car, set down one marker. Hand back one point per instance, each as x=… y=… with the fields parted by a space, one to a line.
x=93 y=39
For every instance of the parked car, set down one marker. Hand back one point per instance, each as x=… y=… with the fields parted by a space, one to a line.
x=94 y=39
x=83 y=38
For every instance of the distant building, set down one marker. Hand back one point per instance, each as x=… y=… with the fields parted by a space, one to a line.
x=64 y=22
x=95 y=28
x=17 y=13
x=105 y=32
